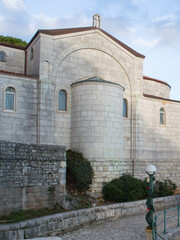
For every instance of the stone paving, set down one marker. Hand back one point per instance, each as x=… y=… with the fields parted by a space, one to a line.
x=126 y=228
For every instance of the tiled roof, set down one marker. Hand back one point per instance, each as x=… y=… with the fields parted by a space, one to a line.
x=160 y=98
x=16 y=74
x=55 y=32
x=96 y=80
x=12 y=46
x=156 y=80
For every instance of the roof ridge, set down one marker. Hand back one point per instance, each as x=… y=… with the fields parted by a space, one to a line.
x=55 y=32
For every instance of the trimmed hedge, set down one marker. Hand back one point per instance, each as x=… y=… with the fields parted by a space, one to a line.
x=79 y=171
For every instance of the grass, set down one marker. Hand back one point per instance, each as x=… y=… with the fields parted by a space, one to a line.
x=22 y=215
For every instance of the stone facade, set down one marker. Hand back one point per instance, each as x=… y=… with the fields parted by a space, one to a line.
x=97 y=71
x=21 y=124
x=31 y=176
x=15 y=58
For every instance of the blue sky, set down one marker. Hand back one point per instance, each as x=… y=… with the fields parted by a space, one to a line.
x=150 y=27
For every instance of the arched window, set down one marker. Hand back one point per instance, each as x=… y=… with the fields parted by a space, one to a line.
x=2 y=56
x=10 y=97
x=162 y=116
x=62 y=100
x=125 y=108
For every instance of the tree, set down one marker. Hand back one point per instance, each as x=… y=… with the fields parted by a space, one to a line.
x=12 y=40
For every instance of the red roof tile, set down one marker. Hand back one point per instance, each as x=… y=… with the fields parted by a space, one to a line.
x=156 y=80
x=160 y=98
x=12 y=46
x=17 y=74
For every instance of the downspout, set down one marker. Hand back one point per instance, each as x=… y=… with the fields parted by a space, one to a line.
x=25 y=63
x=38 y=111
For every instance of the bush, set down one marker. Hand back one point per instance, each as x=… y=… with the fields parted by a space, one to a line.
x=165 y=188
x=79 y=171
x=12 y=40
x=124 y=189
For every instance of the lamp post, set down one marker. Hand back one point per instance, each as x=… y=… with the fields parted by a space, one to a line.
x=150 y=170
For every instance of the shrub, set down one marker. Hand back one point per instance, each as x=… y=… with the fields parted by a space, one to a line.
x=124 y=189
x=79 y=171
x=165 y=188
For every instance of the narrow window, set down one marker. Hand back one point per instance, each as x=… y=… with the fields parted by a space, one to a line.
x=62 y=100
x=125 y=108
x=162 y=116
x=10 y=98
x=32 y=53
x=2 y=56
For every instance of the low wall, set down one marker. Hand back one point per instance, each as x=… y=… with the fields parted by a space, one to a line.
x=31 y=176
x=58 y=223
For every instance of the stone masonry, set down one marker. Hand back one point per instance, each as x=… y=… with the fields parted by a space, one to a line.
x=93 y=122
x=31 y=176
x=58 y=224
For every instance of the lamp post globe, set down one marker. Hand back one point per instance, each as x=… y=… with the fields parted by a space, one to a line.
x=151 y=169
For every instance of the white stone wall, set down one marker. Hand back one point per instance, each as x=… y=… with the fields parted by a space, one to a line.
x=15 y=60
x=33 y=63
x=60 y=61
x=97 y=128
x=158 y=144
x=156 y=88
x=73 y=57
x=20 y=125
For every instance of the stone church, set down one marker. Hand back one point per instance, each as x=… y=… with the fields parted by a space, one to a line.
x=85 y=89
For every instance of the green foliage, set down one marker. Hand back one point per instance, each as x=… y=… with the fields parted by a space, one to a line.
x=12 y=40
x=22 y=215
x=165 y=188
x=124 y=189
x=128 y=188
x=79 y=171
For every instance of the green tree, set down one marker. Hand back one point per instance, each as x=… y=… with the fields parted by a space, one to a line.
x=12 y=40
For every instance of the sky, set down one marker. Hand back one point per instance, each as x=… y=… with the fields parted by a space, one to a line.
x=151 y=27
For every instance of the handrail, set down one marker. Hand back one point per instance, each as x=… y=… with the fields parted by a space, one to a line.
x=156 y=224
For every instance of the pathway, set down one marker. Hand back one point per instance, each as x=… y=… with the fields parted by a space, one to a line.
x=126 y=228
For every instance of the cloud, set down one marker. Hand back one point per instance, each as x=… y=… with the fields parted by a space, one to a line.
x=14 y=5
x=42 y=21
x=166 y=18
x=145 y=43
x=2 y=19
x=167 y=28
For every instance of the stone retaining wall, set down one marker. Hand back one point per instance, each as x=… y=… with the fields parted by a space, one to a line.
x=56 y=224
x=31 y=176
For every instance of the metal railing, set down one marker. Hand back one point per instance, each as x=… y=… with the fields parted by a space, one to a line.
x=164 y=221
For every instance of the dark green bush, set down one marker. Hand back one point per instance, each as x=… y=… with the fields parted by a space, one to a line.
x=124 y=189
x=128 y=188
x=12 y=40
x=79 y=171
x=165 y=188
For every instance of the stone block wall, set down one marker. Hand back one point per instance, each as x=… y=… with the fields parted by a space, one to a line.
x=15 y=59
x=97 y=127
x=158 y=144
x=31 y=176
x=156 y=88
x=19 y=125
x=62 y=222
